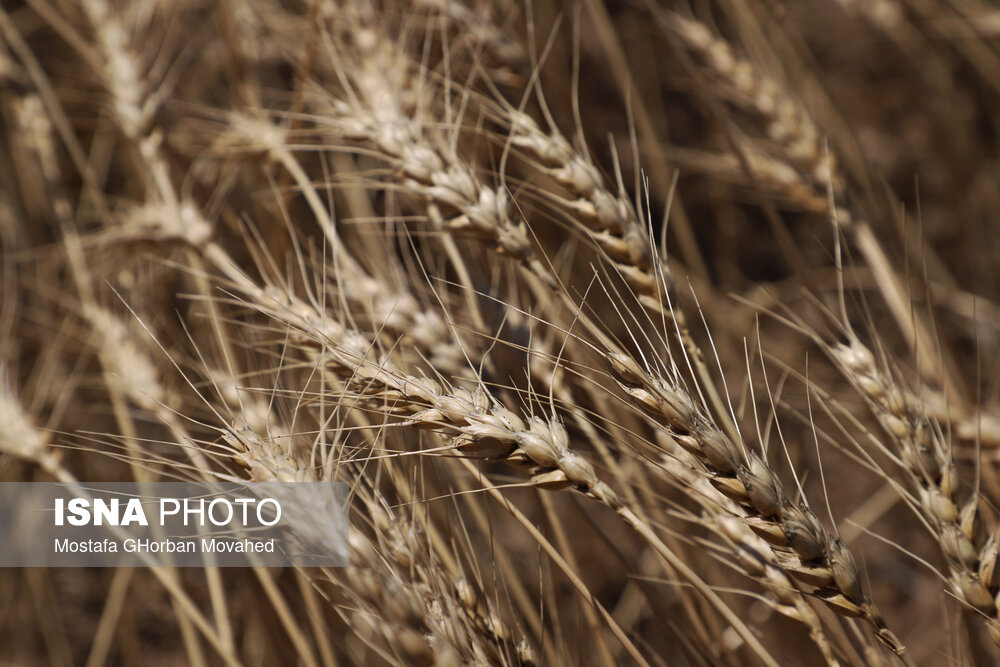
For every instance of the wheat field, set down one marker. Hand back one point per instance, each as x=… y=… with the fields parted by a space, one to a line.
x=644 y=332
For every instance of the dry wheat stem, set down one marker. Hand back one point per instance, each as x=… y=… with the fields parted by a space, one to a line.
x=754 y=554
x=813 y=556
x=973 y=560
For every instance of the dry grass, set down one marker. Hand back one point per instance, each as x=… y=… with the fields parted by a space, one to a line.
x=643 y=332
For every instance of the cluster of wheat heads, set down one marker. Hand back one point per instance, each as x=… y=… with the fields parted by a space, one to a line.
x=643 y=332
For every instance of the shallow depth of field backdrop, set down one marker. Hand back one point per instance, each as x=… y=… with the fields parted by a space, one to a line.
x=645 y=332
